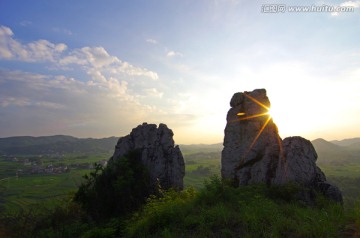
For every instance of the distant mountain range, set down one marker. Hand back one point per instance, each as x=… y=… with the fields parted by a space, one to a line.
x=329 y=152
x=337 y=152
x=55 y=145
x=354 y=142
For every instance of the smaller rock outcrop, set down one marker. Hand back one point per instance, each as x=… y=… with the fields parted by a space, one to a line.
x=298 y=163
x=163 y=160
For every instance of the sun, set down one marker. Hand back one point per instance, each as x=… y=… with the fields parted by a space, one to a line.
x=270 y=112
x=242 y=116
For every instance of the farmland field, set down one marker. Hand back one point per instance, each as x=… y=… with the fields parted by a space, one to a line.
x=26 y=190
x=21 y=188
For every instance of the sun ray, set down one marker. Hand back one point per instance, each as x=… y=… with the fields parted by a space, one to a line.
x=257 y=102
x=249 y=117
x=242 y=116
x=253 y=143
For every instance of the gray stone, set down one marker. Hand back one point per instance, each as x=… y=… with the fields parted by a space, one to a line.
x=254 y=152
x=298 y=163
x=163 y=160
x=251 y=143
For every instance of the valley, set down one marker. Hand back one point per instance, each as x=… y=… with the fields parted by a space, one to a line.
x=39 y=178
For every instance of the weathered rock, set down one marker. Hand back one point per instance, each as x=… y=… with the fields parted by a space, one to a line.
x=254 y=153
x=163 y=160
x=251 y=143
x=298 y=163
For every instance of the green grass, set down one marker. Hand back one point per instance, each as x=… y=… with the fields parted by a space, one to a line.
x=26 y=190
x=345 y=170
x=219 y=210
x=39 y=188
x=20 y=193
x=192 y=162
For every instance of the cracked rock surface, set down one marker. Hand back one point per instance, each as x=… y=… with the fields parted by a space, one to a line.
x=162 y=158
x=254 y=152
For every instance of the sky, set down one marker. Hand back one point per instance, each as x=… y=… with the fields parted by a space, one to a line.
x=100 y=68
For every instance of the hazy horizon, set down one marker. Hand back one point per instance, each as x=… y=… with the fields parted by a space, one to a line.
x=99 y=69
x=199 y=143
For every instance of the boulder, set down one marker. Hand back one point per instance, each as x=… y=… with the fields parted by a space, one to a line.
x=298 y=163
x=254 y=152
x=162 y=158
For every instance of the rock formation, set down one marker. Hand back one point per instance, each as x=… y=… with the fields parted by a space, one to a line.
x=254 y=153
x=163 y=160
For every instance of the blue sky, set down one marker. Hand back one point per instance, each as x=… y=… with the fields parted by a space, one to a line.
x=100 y=68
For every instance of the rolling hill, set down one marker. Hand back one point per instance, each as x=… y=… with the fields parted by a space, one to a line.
x=336 y=154
x=329 y=152
x=347 y=142
x=59 y=144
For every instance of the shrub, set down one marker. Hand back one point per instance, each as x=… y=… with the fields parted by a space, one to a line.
x=116 y=190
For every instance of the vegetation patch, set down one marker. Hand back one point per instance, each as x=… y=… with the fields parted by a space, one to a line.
x=220 y=210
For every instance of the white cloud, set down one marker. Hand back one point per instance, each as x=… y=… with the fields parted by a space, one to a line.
x=43 y=102
x=355 y=4
x=152 y=41
x=89 y=57
x=41 y=50
x=172 y=53
x=96 y=57
x=153 y=92
x=98 y=60
x=108 y=102
x=7 y=101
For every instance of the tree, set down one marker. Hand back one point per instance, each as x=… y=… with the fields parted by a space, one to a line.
x=115 y=190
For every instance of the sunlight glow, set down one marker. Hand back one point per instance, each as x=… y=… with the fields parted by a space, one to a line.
x=270 y=113
x=242 y=116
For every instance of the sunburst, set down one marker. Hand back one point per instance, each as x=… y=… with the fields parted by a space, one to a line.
x=242 y=116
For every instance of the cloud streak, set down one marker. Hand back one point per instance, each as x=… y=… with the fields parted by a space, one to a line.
x=96 y=60
x=37 y=51
x=172 y=53
x=151 y=41
x=113 y=97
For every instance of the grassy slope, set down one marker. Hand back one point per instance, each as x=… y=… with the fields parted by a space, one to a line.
x=216 y=210
x=219 y=210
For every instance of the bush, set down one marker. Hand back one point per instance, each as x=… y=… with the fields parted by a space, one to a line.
x=65 y=220
x=116 y=190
